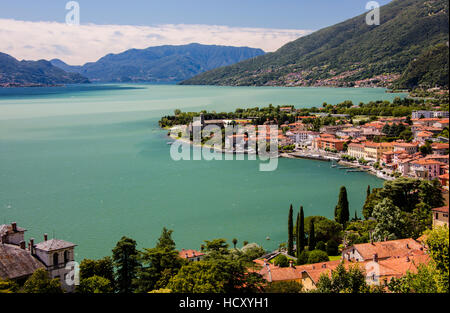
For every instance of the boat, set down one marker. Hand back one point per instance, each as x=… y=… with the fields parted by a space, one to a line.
x=169 y=143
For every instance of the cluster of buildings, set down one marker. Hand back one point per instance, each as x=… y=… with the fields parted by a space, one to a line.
x=380 y=261
x=19 y=261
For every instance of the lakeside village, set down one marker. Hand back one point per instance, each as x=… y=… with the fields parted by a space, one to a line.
x=413 y=143
x=399 y=245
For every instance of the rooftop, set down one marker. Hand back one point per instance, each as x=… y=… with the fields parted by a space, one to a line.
x=54 y=244
x=16 y=262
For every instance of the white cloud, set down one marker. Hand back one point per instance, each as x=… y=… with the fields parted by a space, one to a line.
x=87 y=43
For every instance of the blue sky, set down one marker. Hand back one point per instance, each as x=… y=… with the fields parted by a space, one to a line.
x=292 y=14
x=36 y=29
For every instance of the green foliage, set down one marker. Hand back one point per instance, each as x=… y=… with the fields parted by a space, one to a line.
x=102 y=268
x=341 y=211
x=426 y=148
x=35 y=72
x=8 y=286
x=40 y=282
x=303 y=258
x=290 y=232
x=159 y=264
x=284 y=287
x=126 y=263
x=421 y=282
x=281 y=261
x=414 y=198
x=316 y=256
x=407 y=30
x=311 y=236
x=332 y=247
x=95 y=284
x=438 y=242
x=389 y=221
x=321 y=246
x=324 y=229
x=343 y=281
x=214 y=276
x=428 y=70
x=300 y=232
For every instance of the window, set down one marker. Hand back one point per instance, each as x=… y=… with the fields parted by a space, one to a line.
x=66 y=256
x=55 y=258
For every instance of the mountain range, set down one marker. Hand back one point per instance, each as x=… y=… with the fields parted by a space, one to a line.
x=353 y=53
x=161 y=63
x=34 y=73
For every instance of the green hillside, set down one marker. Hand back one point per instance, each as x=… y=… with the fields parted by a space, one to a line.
x=21 y=73
x=430 y=69
x=347 y=52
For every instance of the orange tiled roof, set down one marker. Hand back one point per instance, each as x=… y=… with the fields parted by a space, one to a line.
x=189 y=253
x=386 y=249
x=443 y=209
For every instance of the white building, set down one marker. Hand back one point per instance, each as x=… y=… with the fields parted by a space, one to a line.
x=18 y=262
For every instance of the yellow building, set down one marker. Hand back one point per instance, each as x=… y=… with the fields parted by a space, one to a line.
x=356 y=150
x=374 y=150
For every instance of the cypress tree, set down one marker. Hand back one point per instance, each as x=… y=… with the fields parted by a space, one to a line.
x=368 y=192
x=312 y=236
x=290 y=232
x=301 y=232
x=342 y=213
x=297 y=236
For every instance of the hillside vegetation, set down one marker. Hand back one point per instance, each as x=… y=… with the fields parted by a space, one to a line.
x=346 y=54
x=161 y=63
x=40 y=72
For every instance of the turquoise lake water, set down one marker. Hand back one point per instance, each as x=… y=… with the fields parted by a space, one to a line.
x=89 y=164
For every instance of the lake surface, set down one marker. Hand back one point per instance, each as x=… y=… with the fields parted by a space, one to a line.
x=89 y=164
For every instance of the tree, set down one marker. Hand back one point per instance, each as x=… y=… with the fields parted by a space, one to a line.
x=316 y=256
x=311 y=237
x=284 y=287
x=342 y=213
x=324 y=229
x=389 y=221
x=290 y=232
x=300 y=232
x=343 y=281
x=235 y=241
x=303 y=258
x=8 y=287
x=281 y=261
x=438 y=242
x=426 y=148
x=159 y=264
x=126 y=262
x=321 y=246
x=95 y=284
x=421 y=282
x=332 y=247
x=368 y=191
x=40 y=282
x=214 y=276
x=102 y=268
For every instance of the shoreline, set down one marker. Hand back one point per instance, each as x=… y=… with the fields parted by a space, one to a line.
x=289 y=155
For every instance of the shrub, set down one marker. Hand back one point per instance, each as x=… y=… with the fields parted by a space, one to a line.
x=317 y=256
x=303 y=258
x=281 y=260
x=321 y=246
x=332 y=247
